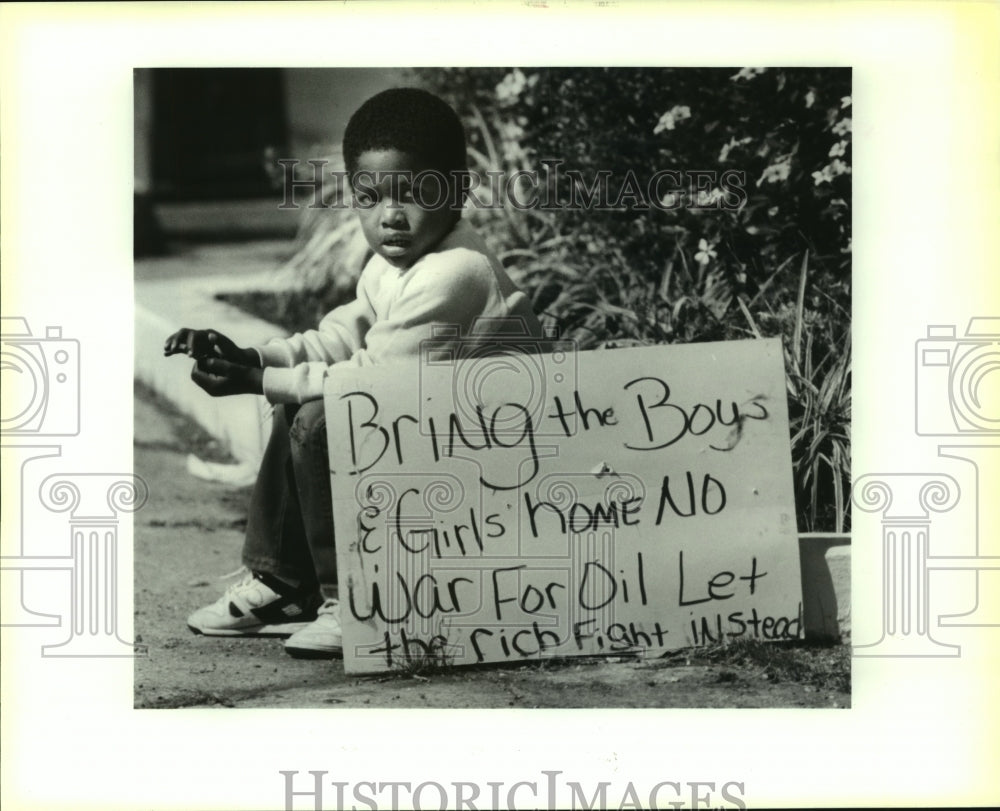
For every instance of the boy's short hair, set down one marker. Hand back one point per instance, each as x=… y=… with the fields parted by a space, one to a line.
x=410 y=120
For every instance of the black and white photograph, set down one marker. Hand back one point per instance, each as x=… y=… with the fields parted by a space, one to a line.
x=509 y=405
x=552 y=375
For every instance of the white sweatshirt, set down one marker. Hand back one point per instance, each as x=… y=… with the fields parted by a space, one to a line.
x=457 y=283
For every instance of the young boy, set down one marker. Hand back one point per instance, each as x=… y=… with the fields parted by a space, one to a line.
x=430 y=268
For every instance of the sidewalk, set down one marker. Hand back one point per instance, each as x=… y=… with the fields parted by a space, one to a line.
x=179 y=291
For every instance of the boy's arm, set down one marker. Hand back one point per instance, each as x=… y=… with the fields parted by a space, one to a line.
x=209 y=343
x=340 y=334
x=453 y=293
x=221 y=378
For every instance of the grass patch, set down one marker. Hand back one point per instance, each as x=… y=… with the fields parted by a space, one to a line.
x=825 y=667
x=739 y=664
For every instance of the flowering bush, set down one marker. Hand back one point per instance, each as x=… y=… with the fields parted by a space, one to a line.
x=685 y=267
x=761 y=251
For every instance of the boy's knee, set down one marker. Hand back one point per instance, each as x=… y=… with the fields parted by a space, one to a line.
x=309 y=425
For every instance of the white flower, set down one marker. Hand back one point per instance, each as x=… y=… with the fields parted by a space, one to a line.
x=708 y=199
x=706 y=253
x=672 y=200
x=842 y=127
x=669 y=119
x=510 y=141
x=823 y=176
x=510 y=130
x=510 y=88
x=810 y=99
x=727 y=148
x=748 y=73
x=777 y=172
x=838 y=149
x=835 y=168
x=845 y=102
x=838 y=167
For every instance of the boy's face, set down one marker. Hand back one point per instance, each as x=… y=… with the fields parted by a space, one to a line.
x=400 y=222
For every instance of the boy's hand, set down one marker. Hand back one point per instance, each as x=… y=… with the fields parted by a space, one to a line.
x=221 y=377
x=207 y=343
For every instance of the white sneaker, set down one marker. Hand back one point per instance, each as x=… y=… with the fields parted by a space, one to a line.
x=322 y=638
x=259 y=605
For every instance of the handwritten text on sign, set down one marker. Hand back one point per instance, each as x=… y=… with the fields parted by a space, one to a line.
x=522 y=506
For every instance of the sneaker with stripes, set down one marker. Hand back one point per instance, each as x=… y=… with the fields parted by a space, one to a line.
x=258 y=605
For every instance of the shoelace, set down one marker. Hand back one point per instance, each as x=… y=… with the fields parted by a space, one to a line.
x=243 y=570
x=330 y=606
x=244 y=581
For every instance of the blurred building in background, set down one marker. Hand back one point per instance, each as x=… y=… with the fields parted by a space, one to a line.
x=207 y=139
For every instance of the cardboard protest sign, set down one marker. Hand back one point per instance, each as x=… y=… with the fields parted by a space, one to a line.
x=524 y=506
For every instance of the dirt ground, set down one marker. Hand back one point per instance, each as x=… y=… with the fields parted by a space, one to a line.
x=190 y=532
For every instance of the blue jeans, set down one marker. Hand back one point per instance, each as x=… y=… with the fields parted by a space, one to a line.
x=290 y=523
